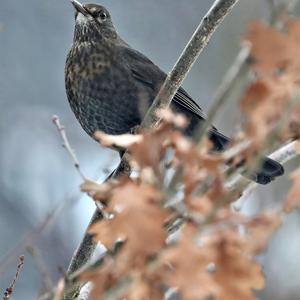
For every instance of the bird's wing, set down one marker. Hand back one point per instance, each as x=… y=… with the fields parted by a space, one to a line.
x=145 y=71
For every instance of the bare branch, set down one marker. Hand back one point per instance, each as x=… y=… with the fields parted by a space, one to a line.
x=40 y=265
x=66 y=144
x=208 y=25
x=9 y=291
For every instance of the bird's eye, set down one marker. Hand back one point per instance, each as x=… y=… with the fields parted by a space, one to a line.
x=103 y=15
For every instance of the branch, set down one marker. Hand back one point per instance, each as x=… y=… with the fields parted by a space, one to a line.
x=282 y=155
x=85 y=292
x=223 y=94
x=208 y=25
x=61 y=129
x=9 y=291
x=40 y=265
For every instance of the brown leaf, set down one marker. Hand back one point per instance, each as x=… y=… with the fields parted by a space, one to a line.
x=139 y=220
x=277 y=65
x=143 y=289
x=268 y=48
x=204 y=204
x=149 y=152
x=237 y=273
x=293 y=197
x=259 y=109
x=187 y=264
x=98 y=191
x=261 y=228
x=102 y=278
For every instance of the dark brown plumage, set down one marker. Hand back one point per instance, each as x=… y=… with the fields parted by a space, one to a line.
x=110 y=86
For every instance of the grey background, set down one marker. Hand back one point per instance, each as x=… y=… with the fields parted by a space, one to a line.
x=36 y=173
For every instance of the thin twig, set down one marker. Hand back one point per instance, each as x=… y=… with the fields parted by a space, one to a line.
x=66 y=144
x=40 y=265
x=33 y=235
x=9 y=291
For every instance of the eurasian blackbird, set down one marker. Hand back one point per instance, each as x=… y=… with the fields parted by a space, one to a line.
x=110 y=85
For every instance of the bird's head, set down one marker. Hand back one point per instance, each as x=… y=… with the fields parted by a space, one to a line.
x=92 y=22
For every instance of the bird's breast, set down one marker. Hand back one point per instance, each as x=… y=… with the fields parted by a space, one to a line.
x=101 y=93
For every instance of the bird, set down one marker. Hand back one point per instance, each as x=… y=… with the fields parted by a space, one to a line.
x=110 y=86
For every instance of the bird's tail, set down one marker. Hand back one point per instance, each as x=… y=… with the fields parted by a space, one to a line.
x=268 y=170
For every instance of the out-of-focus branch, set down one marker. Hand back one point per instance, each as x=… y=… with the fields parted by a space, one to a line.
x=272 y=139
x=246 y=186
x=240 y=184
x=40 y=265
x=9 y=291
x=236 y=71
x=282 y=155
x=33 y=235
x=239 y=66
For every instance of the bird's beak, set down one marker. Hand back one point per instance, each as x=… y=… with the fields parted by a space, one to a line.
x=79 y=7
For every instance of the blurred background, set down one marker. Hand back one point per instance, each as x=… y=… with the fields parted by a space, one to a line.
x=37 y=175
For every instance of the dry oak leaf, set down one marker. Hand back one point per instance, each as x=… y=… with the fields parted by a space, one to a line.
x=102 y=278
x=138 y=219
x=260 y=230
x=293 y=197
x=275 y=52
x=204 y=204
x=98 y=191
x=277 y=64
x=142 y=288
x=197 y=163
x=187 y=264
x=268 y=48
x=259 y=108
x=149 y=152
x=237 y=273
